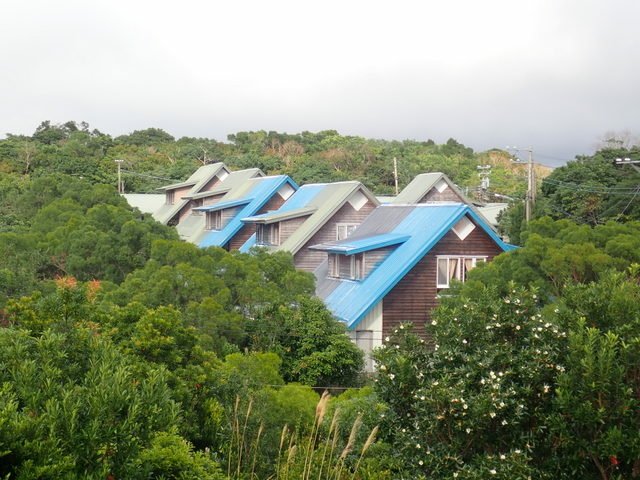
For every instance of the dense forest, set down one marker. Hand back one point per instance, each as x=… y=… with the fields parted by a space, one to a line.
x=128 y=354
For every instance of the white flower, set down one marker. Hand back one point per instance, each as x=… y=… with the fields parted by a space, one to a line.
x=492 y=471
x=517 y=327
x=422 y=398
x=417 y=445
x=383 y=367
x=504 y=422
x=546 y=388
x=503 y=457
x=420 y=462
x=468 y=430
x=464 y=341
x=492 y=414
x=434 y=323
x=455 y=474
x=401 y=327
x=435 y=384
x=517 y=451
x=465 y=406
x=556 y=311
x=391 y=376
x=386 y=339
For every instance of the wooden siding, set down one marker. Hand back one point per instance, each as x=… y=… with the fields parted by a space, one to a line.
x=373 y=258
x=274 y=203
x=287 y=227
x=213 y=199
x=414 y=297
x=309 y=260
x=447 y=195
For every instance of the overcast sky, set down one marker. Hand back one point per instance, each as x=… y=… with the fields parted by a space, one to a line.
x=552 y=74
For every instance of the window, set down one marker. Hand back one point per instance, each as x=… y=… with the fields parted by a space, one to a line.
x=170 y=197
x=214 y=220
x=195 y=204
x=334 y=265
x=343 y=230
x=357 y=266
x=450 y=268
x=268 y=234
x=349 y=267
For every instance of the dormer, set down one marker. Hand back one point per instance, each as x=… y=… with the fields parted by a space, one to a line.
x=355 y=258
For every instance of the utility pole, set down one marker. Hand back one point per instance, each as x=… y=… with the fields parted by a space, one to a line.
x=530 y=199
x=531 y=186
x=395 y=173
x=483 y=172
x=120 y=186
x=628 y=161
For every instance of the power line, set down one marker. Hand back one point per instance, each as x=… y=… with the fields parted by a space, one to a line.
x=620 y=191
x=129 y=172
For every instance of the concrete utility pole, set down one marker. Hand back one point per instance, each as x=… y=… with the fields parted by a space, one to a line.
x=530 y=199
x=395 y=173
x=531 y=186
x=483 y=172
x=120 y=186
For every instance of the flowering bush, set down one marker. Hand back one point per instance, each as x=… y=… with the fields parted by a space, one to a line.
x=474 y=405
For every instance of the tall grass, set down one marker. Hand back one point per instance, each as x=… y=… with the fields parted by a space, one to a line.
x=313 y=454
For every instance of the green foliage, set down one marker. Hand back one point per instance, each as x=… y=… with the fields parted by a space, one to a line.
x=593 y=189
x=171 y=457
x=560 y=253
x=475 y=402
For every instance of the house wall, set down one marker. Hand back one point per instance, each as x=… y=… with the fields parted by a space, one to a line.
x=414 y=297
x=213 y=199
x=287 y=227
x=177 y=199
x=309 y=260
x=186 y=210
x=447 y=195
x=374 y=257
x=368 y=335
x=274 y=203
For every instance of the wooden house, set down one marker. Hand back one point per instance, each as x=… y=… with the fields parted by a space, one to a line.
x=430 y=188
x=193 y=225
x=177 y=205
x=393 y=267
x=222 y=224
x=316 y=213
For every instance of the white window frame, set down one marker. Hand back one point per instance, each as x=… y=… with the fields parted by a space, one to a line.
x=357 y=270
x=214 y=220
x=348 y=229
x=459 y=275
x=268 y=234
x=334 y=265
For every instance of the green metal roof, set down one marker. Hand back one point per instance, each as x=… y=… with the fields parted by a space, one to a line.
x=196 y=181
x=194 y=225
x=279 y=216
x=325 y=198
x=422 y=184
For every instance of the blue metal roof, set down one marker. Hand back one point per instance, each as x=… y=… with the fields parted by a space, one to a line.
x=263 y=189
x=248 y=244
x=351 y=246
x=424 y=225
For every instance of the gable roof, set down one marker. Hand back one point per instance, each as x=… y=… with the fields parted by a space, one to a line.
x=193 y=226
x=422 y=184
x=249 y=198
x=320 y=201
x=196 y=182
x=231 y=182
x=415 y=229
